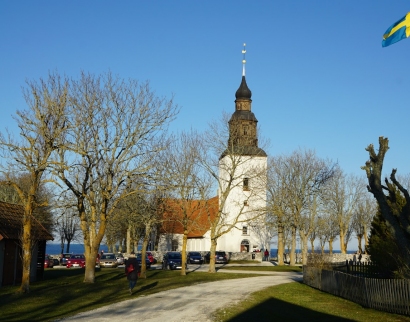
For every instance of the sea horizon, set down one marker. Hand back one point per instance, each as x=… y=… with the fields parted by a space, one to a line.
x=55 y=249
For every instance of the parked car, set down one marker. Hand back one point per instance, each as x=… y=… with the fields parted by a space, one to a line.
x=120 y=258
x=220 y=257
x=108 y=260
x=195 y=258
x=151 y=257
x=48 y=262
x=64 y=257
x=56 y=262
x=172 y=260
x=147 y=261
x=76 y=260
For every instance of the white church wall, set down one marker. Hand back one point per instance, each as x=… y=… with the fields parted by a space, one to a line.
x=253 y=168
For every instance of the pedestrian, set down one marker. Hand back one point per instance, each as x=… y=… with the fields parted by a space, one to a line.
x=131 y=270
x=266 y=253
x=354 y=258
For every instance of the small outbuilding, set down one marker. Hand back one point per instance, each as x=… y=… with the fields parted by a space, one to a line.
x=11 y=225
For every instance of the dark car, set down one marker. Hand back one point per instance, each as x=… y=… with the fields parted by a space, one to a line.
x=147 y=261
x=220 y=257
x=48 y=262
x=64 y=257
x=172 y=260
x=56 y=262
x=195 y=258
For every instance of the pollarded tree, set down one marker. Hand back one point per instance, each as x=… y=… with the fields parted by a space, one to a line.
x=117 y=127
x=41 y=128
x=395 y=213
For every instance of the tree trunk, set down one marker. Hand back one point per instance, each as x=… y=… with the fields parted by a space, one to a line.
x=281 y=245
x=293 y=248
x=212 y=256
x=342 y=241
x=359 y=242
x=143 y=273
x=304 y=248
x=26 y=245
x=184 y=243
x=331 y=245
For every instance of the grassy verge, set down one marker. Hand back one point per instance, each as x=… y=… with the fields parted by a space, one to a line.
x=62 y=292
x=298 y=302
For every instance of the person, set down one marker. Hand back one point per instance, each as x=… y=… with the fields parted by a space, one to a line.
x=131 y=270
x=266 y=253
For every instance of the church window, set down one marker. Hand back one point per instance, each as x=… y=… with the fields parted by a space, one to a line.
x=244 y=230
x=245 y=203
x=245 y=130
x=246 y=184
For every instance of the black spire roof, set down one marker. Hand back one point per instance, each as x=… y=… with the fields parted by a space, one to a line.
x=243 y=90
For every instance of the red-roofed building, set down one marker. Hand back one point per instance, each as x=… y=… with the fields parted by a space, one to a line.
x=197 y=213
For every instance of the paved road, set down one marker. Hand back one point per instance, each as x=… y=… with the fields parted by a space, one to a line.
x=186 y=304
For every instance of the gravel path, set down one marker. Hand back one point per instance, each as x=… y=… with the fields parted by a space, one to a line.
x=185 y=304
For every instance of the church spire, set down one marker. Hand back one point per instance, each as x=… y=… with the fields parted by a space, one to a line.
x=243 y=139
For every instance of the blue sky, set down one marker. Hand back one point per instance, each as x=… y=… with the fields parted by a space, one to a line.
x=318 y=74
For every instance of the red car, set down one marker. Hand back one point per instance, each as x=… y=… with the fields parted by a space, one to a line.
x=48 y=262
x=76 y=260
x=150 y=257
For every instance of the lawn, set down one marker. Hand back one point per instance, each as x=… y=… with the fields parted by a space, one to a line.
x=62 y=292
x=299 y=302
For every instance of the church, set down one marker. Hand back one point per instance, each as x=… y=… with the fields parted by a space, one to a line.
x=237 y=213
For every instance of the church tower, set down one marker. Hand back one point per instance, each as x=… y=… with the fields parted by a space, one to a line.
x=242 y=173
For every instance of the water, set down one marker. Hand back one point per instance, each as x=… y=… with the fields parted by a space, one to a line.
x=274 y=251
x=55 y=249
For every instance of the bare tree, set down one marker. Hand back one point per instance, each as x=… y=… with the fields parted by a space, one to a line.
x=239 y=170
x=116 y=128
x=40 y=128
x=362 y=219
x=303 y=177
x=342 y=196
x=189 y=187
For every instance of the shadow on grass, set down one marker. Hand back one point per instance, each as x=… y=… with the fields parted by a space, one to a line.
x=278 y=310
x=147 y=287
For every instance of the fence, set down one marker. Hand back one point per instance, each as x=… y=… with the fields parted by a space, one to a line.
x=362 y=269
x=389 y=295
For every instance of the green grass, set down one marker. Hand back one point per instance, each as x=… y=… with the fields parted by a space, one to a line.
x=299 y=302
x=63 y=293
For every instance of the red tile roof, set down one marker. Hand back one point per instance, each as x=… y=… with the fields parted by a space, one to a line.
x=199 y=213
x=11 y=220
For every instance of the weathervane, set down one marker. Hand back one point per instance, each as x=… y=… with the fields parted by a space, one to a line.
x=243 y=60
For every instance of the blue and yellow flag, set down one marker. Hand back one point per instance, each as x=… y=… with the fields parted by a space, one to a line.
x=397 y=31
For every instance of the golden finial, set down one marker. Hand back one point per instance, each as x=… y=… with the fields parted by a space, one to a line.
x=243 y=60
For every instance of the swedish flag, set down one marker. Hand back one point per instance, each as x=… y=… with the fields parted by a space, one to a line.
x=397 y=31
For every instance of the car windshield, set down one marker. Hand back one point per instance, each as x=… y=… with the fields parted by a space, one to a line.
x=108 y=256
x=77 y=256
x=194 y=254
x=174 y=255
